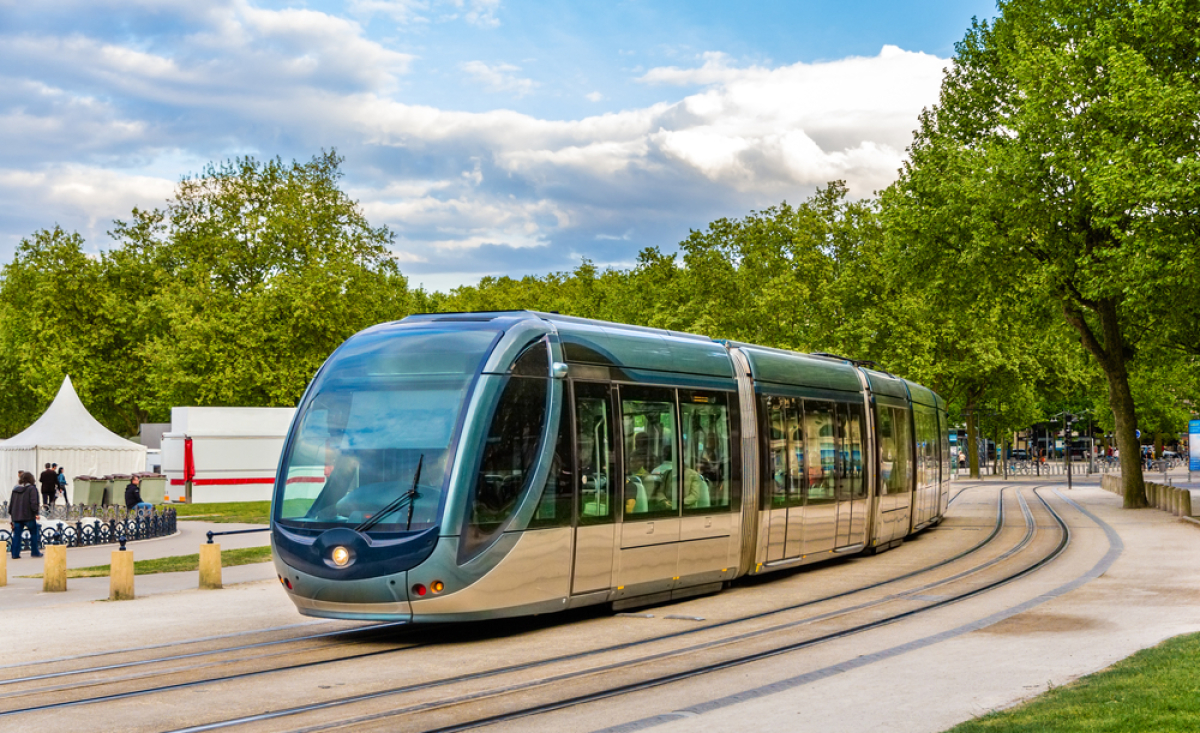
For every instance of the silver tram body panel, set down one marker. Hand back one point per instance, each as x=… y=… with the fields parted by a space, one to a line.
x=603 y=553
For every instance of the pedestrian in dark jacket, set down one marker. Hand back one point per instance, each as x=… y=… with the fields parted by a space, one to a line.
x=49 y=482
x=133 y=494
x=24 y=510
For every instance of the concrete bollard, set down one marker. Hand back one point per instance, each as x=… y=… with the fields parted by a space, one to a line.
x=1185 y=503
x=120 y=576
x=210 y=566
x=54 y=571
x=3 y=563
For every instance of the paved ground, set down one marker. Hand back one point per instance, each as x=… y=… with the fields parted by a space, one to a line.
x=27 y=592
x=1129 y=580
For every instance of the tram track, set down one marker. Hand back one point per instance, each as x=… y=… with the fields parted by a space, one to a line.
x=153 y=668
x=359 y=722
x=339 y=633
x=754 y=657
x=554 y=660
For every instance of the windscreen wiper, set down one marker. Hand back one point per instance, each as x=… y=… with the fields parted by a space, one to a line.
x=406 y=498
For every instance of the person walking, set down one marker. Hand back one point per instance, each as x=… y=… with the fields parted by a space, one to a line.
x=49 y=481
x=62 y=486
x=24 y=512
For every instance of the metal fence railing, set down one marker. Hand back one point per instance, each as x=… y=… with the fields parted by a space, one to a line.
x=112 y=525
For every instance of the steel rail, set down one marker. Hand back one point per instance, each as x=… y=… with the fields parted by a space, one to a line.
x=1030 y=530
x=618 y=647
x=374 y=628
x=744 y=659
x=340 y=632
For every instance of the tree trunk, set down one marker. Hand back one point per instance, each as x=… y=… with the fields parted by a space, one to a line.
x=1112 y=359
x=972 y=438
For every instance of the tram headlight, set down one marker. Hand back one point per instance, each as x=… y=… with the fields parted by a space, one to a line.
x=340 y=556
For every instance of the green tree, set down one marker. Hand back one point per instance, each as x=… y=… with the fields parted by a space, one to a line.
x=60 y=315
x=1065 y=142
x=250 y=276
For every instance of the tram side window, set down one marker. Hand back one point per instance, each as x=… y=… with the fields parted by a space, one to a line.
x=706 y=451
x=651 y=464
x=944 y=438
x=509 y=455
x=887 y=452
x=850 y=470
x=784 y=482
x=927 y=438
x=597 y=461
x=821 y=445
x=901 y=477
x=919 y=463
x=554 y=510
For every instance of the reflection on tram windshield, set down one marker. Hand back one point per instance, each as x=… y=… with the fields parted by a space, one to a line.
x=370 y=422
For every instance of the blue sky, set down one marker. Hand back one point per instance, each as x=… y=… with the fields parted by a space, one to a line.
x=493 y=136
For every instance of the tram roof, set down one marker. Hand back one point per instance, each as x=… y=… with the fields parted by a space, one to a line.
x=921 y=395
x=886 y=384
x=604 y=343
x=794 y=368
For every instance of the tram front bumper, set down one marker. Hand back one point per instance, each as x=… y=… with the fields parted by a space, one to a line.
x=370 y=599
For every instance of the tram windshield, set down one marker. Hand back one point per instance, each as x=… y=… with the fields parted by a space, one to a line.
x=386 y=404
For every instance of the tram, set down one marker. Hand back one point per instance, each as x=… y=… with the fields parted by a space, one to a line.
x=478 y=465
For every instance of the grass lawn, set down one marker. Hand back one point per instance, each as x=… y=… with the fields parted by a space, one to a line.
x=178 y=563
x=246 y=512
x=1154 y=690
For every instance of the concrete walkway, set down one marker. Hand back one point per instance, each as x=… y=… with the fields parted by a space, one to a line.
x=1128 y=581
x=25 y=592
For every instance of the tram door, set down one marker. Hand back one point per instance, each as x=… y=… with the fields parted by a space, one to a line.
x=852 y=489
x=595 y=527
x=650 y=528
x=821 y=500
x=783 y=500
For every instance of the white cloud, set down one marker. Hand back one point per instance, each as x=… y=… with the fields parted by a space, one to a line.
x=498 y=78
x=448 y=182
x=480 y=12
x=235 y=51
x=754 y=129
x=78 y=197
x=594 y=97
x=401 y=11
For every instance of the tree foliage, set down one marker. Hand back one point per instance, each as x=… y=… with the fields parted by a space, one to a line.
x=1062 y=157
x=231 y=294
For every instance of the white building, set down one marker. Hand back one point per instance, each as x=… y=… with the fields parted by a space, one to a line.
x=235 y=452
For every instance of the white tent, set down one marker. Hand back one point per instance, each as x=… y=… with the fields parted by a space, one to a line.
x=68 y=435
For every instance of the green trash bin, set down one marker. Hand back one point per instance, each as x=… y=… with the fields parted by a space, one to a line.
x=154 y=487
x=116 y=488
x=80 y=490
x=88 y=490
